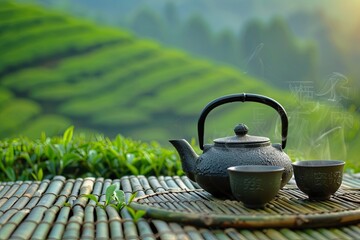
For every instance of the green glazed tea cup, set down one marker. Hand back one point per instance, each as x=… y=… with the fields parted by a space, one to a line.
x=318 y=179
x=255 y=185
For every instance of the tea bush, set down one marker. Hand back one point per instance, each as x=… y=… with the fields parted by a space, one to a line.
x=78 y=155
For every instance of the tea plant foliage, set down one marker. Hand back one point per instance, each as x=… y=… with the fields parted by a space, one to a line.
x=116 y=198
x=77 y=155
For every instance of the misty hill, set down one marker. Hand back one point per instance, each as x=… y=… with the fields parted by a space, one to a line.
x=56 y=70
x=313 y=39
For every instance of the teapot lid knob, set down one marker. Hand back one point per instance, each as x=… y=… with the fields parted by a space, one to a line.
x=242 y=137
x=241 y=129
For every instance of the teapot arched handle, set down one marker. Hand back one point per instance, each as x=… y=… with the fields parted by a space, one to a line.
x=243 y=97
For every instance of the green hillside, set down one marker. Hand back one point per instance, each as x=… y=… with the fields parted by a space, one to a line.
x=56 y=71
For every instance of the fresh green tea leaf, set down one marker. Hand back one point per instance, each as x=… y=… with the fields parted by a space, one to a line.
x=132 y=197
x=139 y=214
x=26 y=156
x=109 y=193
x=10 y=173
x=40 y=174
x=9 y=156
x=131 y=211
x=121 y=206
x=68 y=134
x=91 y=197
x=134 y=170
x=144 y=170
x=135 y=214
x=120 y=195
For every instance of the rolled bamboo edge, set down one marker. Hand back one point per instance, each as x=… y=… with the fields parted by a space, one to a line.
x=298 y=221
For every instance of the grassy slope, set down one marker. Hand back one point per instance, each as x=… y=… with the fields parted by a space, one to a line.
x=56 y=71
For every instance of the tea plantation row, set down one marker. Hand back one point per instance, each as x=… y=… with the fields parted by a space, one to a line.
x=73 y=68
x=74 y=155
x=57 y=71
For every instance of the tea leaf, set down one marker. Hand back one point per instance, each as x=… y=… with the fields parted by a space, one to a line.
x=120 y=195
x=9 y=156
x=144 y=170
x=26 y=156
x=135 y=214
x=134 y=170
x=68 y=134
x=132 y=197
x=139 y=214
x=109 y=193
x=10 y=173
x=91 y=197
x=131 y=211
x=120 y=206
x=40 y=174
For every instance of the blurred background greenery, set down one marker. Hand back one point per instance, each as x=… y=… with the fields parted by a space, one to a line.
x=146 y=69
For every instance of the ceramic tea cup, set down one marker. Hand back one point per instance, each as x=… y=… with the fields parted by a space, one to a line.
x=255 y=185
x=318 y=179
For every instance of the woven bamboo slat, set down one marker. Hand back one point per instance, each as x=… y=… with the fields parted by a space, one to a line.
x=178 y=230
x=145 y=184
x=57 y=209
x=114 y=223
x=193 y=232
x=88 y=231
x=130 y=230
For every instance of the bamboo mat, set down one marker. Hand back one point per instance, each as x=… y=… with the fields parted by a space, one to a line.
x=53 y=209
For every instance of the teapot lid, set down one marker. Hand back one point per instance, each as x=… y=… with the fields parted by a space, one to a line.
x=242 y=137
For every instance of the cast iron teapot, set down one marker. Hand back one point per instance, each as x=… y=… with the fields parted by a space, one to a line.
x=209 y=170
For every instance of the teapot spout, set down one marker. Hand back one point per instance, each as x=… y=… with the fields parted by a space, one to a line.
x=187 y=155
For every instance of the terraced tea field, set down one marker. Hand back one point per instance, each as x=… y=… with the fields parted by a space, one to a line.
x=57 y=71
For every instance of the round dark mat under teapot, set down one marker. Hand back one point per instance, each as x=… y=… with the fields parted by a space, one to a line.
x=290 y=209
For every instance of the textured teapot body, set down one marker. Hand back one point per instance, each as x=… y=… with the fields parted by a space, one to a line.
x=211 y=167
